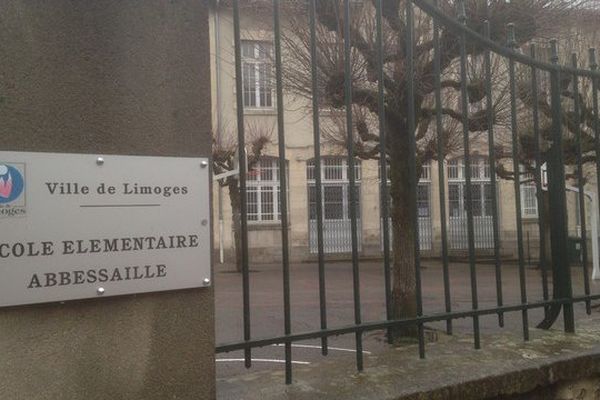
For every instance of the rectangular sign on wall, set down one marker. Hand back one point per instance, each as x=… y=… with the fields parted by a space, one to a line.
x=78 y=226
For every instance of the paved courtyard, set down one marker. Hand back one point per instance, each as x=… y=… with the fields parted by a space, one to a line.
x=267 y=309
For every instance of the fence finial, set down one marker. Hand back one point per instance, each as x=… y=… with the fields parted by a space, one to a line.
x=592 y=56
x=511 y=37
x=554 y=51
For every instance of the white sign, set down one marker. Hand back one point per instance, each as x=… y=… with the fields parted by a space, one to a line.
x=77 y=226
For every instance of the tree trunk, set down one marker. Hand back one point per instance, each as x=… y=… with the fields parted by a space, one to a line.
x=547 y=243
x=403 y=242
x=236 y=219
x=552 y=312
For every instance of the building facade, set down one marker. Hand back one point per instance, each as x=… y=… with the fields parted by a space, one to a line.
x=263 y=195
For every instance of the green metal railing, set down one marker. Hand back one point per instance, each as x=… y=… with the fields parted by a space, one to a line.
x=562 y=107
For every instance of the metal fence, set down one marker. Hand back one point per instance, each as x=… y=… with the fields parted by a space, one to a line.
x=560 y=119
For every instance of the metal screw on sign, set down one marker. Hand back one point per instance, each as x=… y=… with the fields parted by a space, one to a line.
x=100 y=291
x=206 y=281
x=204 y=164
x=100 y=161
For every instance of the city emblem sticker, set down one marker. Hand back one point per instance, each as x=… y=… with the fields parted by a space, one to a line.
x=12 y=190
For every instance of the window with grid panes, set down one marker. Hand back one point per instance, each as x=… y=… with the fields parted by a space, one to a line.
x=529 y=208
x=263 y=191
x=423 y=191
x=481 y=190
x=334 y=175
x=256 y=74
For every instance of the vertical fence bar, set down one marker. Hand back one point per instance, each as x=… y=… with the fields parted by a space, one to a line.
x=528 y=251
x=352 y=181
x=440 y=159
x=383 y=192
x=558 y=203
x=285 y=253
x=242 y=180
x=596 y=121
x=467 y=157
x=317 y=171
x=581 y=185
x=412 y=151
x=493 y=183
x=512 y=43
x=538 y=181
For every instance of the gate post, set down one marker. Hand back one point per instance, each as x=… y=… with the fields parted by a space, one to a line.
x=558 y=203
x=107 y=77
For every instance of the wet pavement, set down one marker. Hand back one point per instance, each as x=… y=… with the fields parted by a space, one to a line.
x=266 y=282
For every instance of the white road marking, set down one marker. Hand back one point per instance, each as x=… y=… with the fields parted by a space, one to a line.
x=260 y=360
x=309 y=346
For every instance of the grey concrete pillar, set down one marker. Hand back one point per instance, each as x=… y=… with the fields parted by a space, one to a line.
x=112 y=77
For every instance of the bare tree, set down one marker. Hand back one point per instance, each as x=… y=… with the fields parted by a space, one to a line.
x=225 y=158
x=578 y=135
x=531 y=18
x=577 y=35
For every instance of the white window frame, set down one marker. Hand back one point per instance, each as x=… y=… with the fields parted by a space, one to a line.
x=262 y=188
x=479 y=164
x=528 y=192
x=254 y=63
x=334 y=172
x=425 y=185
x=480 y=177
x=337 y=166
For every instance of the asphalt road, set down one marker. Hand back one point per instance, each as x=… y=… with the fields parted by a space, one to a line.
x=266 y=299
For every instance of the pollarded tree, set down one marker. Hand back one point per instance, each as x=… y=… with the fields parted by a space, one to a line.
x=577 y=120
x=225 y=159
x=578 y=34
x=530 y=18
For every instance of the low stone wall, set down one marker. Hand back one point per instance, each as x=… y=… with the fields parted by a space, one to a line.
x=552 y=365
x=581 y=389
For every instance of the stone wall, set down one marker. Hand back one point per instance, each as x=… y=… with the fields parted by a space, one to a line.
x=583 y=389
x=111 y=77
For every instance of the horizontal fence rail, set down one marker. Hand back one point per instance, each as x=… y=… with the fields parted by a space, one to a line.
x=486 y=110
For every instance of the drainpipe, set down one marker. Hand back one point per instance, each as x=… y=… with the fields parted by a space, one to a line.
x=219 y=121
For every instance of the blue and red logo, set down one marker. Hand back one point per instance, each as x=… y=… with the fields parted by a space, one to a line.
x=11 y=183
